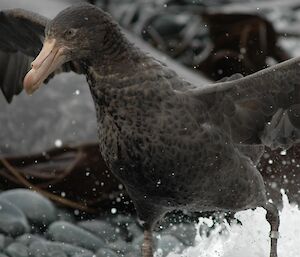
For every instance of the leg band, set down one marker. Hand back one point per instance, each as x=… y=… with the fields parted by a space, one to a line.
x=274 y=234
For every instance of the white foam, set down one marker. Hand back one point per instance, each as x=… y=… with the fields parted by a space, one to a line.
x=251 y=239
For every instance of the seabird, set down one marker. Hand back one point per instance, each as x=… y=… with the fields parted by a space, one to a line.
x=172 y=144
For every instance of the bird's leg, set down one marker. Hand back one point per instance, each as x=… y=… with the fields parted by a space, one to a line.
x=147 y=246
x=272 y=217
x=148 y=215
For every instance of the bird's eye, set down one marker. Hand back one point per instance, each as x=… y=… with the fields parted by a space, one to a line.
x=70 y=33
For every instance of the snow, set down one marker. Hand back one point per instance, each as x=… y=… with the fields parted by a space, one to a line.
x=251 y=239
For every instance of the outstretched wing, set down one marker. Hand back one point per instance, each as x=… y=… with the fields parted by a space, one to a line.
x=261 y=108
x=22 y=35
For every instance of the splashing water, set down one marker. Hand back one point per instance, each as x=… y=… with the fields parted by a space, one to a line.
x=252 y=238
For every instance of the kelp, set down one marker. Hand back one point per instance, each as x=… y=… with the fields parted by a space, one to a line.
x=74 y=177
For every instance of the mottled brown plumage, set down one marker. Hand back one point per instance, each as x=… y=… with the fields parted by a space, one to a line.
x=172 y=144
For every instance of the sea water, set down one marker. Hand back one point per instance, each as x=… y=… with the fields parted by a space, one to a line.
x=249 y=239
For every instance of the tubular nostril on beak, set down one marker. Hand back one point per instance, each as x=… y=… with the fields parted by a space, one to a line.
x=46 y=51
x=35 y=65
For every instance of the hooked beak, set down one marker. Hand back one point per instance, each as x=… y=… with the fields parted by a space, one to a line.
x=49 y=59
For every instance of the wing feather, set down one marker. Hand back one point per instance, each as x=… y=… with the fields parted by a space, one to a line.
x=22 y=35
x=246 y=106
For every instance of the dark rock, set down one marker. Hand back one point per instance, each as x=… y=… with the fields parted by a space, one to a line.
x=38 y=209
x=105 y=252
x=66 y=232
x=28 y=239
x=12 y=220
x=17 y=250
x=56 y=249
x=101 y=229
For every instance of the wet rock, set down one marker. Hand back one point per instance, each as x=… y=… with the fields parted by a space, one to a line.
x=83 y=255
x=133 y=253
x=2 y=242
x=101 y=229
x=56 y=249
x=137 y=242
x=120 y=246
x=186 y=233
x=56 y=253
x=28 y=239
x=122 y=219
x=168 y=243
x=39 y=249
x=127 y=226
x=134 y=231
x=12 y=220
x=17 y=250
x=38 y=209
x=66 y=232
x=64 y=215
x=105 y=252
x=6 y=241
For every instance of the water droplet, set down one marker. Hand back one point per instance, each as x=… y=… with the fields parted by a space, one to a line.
x=283 y=152
x=58 y=143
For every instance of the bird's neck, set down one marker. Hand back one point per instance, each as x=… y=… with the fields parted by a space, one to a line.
x=115 y=68
x=115 y=54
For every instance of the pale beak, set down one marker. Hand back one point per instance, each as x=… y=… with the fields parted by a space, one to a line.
x=49 y=59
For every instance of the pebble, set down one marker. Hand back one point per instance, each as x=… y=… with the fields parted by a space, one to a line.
x=133 y=253
x=38 y=209
x=83 y=255
x=17 y=250
x=134 y=231
x=120 y=220
x=64 y=215
x=111 y=236
x=105 y=252
x=2 y=242
x=68 y=233
x=101 y=229
x=138 y=241
x=28 y=239
x=56 y=249
x=120 y=246
x=12 y=220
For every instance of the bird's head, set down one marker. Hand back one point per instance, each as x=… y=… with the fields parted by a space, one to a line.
x=76 y=33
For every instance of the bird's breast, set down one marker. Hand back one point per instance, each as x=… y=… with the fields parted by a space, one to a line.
x=166 y=155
